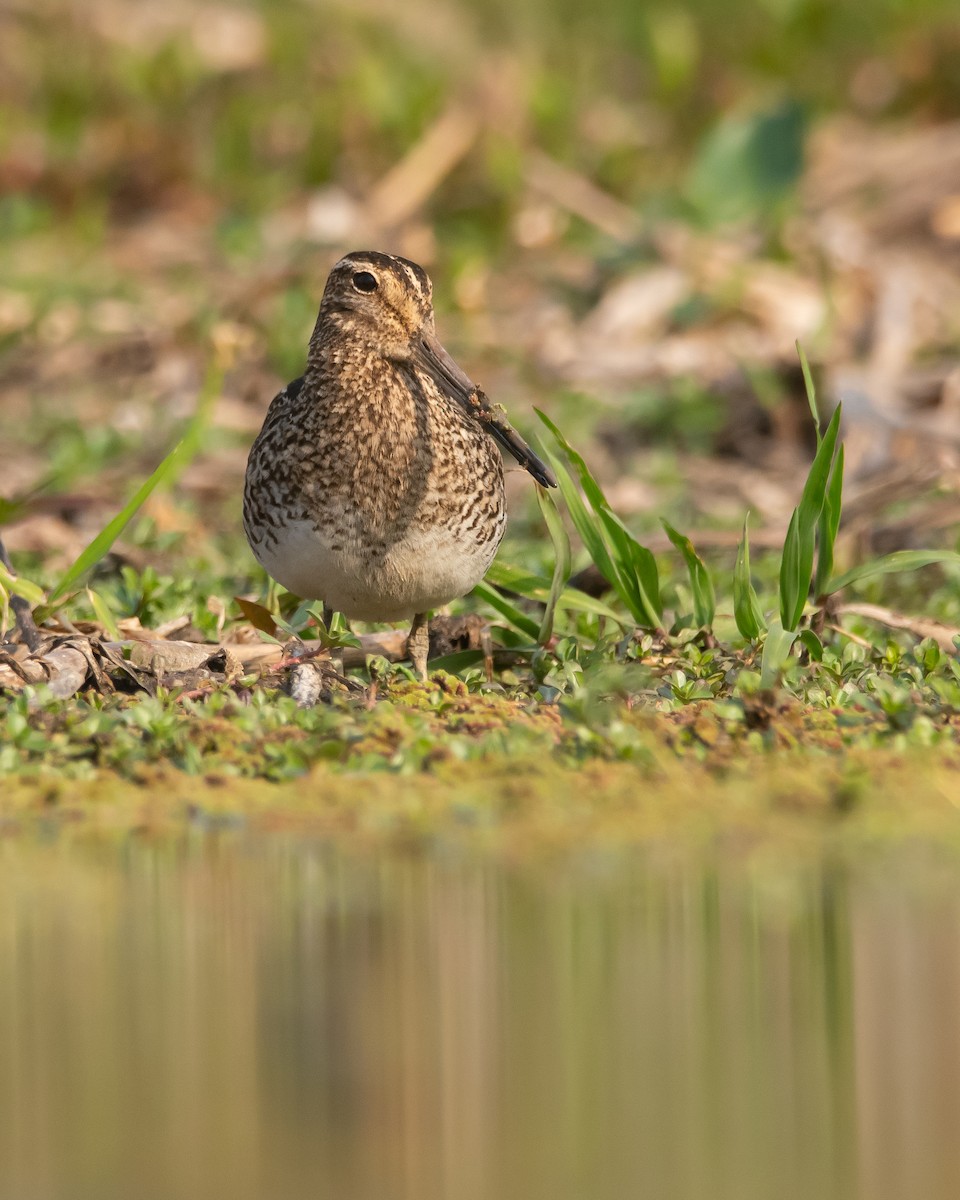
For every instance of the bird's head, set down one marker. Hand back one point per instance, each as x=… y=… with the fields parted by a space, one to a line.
x=380 y=300
x=384 y=304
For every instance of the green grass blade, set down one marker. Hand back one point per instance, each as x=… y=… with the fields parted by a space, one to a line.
x=573 y=600
x=796 y=564
x=591 y=489
x=584 y=522
x=829 y=525
x=178 y=458
x=638 y=565
x=814 y=490
x=591 y=527
x=701 y=585
x=104 y=615
x=746 y=607
x=18 y=586
x=454 y=663
x=810 y=389
x=517 y=579
x=519 y=620
x=892 y=564
x=536 y=587
x=627 y=565
x=561 y=567
x=792 y=593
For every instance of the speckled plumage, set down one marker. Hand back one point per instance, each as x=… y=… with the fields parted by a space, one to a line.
x=375 y=484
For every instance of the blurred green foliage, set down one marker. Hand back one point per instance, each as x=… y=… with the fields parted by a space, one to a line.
x=122 y=107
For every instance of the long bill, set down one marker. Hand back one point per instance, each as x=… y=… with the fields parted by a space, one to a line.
x=444 y=371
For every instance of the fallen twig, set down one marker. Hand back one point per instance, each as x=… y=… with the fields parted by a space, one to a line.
x=922 y=627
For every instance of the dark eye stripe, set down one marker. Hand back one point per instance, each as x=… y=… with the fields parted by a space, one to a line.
x=363 y=281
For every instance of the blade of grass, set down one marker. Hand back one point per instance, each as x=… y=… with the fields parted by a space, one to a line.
x=518 y=579
x=829 y=521
x=454 y=663
x=536 y=587
x=573 y=600
x=792 y=594
x=168 y=470
x=585 y=524
x=519 y=620
x=104 y=615
x=809 y=388
x=637 y=567
x=625 y=563
x=796 y=564
x=746 y=607
x=591 y=488
x=701 y=585
x=892 y=564
x=561 y=566
x=829 y=525
x=590 y=531
x=18 y=586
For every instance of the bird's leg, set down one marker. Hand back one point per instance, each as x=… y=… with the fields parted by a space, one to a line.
x=418 y=644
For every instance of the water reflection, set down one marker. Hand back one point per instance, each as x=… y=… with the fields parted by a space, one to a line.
x=267 y=1019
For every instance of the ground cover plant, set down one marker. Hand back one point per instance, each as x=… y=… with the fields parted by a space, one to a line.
x=733 y=569
x=584 y=673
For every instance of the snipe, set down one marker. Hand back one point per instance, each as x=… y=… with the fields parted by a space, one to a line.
x=375 y=484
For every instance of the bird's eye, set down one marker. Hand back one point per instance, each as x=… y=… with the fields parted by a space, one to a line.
x=363 y=281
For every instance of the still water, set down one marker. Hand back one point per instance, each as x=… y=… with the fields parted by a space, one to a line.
x=267 y=1018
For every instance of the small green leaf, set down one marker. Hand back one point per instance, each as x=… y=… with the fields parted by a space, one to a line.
x=259 y=617
x=701 y=585
x=812 y=644
x=591 y=488
x=776 y=651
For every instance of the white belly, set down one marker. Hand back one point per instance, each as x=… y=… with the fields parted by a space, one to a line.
x=426 y=569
